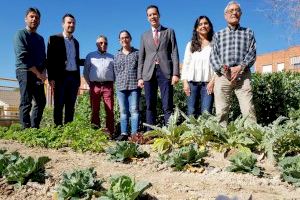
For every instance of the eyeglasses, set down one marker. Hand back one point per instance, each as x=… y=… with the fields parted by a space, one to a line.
x=231 y=11
x=105 y=43
x=124 y=38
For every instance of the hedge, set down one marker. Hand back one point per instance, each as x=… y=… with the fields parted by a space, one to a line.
x=274 y=95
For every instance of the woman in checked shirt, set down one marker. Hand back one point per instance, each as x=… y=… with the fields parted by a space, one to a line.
x=128 y=93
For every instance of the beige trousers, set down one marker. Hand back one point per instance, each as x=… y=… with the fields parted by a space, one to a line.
x=223 y=97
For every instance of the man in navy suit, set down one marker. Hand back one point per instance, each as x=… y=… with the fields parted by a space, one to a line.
x=158 y=66
x=63 y=70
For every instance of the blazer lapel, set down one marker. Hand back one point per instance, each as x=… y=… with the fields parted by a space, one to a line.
x=162 y=36
x=150 y=39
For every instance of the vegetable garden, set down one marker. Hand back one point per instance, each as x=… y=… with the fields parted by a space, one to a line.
x=187 y=159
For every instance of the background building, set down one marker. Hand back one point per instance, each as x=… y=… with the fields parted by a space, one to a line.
x=283 y=60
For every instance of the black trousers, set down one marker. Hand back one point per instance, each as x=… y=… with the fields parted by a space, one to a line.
x=65 y=95
x=31 y=88
x=166 y=92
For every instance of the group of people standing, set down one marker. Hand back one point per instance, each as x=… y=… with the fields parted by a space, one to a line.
x=215 y=65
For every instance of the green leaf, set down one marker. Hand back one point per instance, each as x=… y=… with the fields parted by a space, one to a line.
x=124 y=188
x=25 y=169
x=124 y=151
x=79 y=184
x=244 y=161
x=290 y=168
x=191 y=155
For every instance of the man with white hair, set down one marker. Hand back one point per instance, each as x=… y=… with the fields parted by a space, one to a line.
x=233 y=53
x=99 y=74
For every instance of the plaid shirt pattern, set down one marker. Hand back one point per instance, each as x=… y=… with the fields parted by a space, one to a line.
x=232 y=47
x=125 y=68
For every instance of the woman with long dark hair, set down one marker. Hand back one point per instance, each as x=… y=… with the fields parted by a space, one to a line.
x=197 y=75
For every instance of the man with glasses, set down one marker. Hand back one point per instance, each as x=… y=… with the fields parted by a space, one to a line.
x=99 y=74
x=233 y=53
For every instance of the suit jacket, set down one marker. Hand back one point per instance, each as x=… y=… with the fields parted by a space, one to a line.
x=57 y=58
x=166 y=52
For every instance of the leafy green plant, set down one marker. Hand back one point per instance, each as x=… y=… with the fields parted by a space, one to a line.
x=6 y=159
x=242 y=132
x=245 y=162
x=168 y=137
x=290 y=168
x=203 y=130
x=274 y=95
x=124 y=151
x=77 y=135
x=281 y=138
x=25 y=169
x=124 y=188
x=189 y=155
x=78 y=184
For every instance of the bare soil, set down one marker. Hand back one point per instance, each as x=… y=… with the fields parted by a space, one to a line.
x=213 y=183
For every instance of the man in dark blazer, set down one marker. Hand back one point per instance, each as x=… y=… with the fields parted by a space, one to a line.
x=158 y=65
x=63 y=64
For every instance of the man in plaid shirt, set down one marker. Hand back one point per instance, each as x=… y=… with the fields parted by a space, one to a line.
x=233 y=53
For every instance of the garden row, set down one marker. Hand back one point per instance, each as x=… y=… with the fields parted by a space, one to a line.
x=185 y=142
x=18 y=170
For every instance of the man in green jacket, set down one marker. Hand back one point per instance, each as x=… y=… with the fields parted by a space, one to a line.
x=30 y=54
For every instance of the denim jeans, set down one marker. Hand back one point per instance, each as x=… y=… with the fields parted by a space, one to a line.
x=31 y=88
x=199 y=101
x=129 y=107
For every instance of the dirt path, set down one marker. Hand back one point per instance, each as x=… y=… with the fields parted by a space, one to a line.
x=167 y=184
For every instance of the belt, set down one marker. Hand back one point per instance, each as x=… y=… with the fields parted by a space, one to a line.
x=102 y=82
x=71 y=72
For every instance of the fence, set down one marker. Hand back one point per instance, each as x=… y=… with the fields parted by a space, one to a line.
x=10 y=99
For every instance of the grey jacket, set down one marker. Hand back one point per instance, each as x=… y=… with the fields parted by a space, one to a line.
x=166 y=51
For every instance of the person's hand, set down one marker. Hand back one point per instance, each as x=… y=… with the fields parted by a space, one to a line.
x=186 y=88
x=41 y=76
x=141 y=83
x=235 y=72
x=175 y=80
x=210 y=87
x=52 y=84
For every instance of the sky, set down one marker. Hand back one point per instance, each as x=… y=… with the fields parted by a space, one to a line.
x=110 y=17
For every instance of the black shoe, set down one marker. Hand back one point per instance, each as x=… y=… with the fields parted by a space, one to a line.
x=122 y=137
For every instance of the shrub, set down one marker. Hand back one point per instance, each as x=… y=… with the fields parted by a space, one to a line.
x=274 y=95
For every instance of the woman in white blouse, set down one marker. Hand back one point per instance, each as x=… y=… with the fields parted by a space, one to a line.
x=197 y=75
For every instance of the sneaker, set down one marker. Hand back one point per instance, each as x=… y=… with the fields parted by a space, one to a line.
x=122 y=137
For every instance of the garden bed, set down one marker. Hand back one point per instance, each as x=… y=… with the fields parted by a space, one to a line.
x=166 y=183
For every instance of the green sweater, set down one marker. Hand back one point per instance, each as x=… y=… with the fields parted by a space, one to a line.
x=29 y=50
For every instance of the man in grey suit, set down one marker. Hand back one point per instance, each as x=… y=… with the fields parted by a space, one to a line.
x=158 y=65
